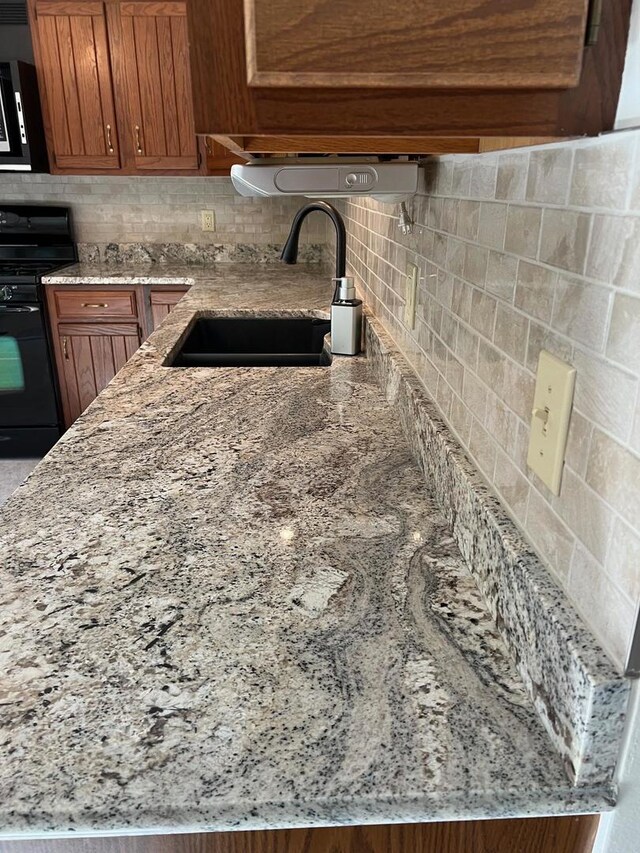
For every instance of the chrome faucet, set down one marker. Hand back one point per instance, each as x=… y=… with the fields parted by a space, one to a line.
x=346 y=310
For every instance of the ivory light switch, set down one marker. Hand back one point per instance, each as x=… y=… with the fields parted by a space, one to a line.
x=552 y=400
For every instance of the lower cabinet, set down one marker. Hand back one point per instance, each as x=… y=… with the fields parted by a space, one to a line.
x=96 y=330
x=91 y=355
x=162 y=301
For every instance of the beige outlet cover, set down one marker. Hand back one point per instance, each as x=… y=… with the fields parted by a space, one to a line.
x=552 y=401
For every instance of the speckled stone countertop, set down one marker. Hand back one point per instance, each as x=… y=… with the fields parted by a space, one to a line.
x=229 y=600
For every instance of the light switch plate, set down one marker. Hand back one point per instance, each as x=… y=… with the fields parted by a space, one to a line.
x=553 y=397
x=410 y=296
x=207 y=220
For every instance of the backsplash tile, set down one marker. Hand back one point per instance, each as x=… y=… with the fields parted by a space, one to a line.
x=519 y=251
x=124 y=218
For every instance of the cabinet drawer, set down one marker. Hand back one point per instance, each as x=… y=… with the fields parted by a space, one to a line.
x=95 y=304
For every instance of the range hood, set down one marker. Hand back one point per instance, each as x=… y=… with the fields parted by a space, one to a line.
x=391 y=182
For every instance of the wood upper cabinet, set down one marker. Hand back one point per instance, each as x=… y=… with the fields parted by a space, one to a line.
x=389 y=43
x=115 y=83
x=155 y=58
x=70 y=40
x=404 y=68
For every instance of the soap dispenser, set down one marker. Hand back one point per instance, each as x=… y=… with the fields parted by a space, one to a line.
x=346 y=318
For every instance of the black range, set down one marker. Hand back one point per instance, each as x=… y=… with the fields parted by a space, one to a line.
x=34 y=241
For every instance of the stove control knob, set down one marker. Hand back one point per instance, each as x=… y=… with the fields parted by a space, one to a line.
x=6 y=292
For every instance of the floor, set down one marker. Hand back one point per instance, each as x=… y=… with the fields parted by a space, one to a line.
x=12 y=473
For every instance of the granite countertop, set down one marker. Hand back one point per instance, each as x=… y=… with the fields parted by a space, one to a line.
x=231 y=601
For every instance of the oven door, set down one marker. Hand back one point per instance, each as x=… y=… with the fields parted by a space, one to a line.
x=27 y=395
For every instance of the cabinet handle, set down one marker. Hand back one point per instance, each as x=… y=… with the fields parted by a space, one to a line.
x=138 y=146
x=207 y=145
x=95 y=304
x=109 y=143
x=65 y=351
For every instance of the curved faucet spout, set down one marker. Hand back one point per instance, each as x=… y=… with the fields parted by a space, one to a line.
x=290 y=250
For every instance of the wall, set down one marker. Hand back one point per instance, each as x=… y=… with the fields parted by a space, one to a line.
x=164 y=214
x=518 y=251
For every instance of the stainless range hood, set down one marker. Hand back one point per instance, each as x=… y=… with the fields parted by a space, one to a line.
x=393 y=181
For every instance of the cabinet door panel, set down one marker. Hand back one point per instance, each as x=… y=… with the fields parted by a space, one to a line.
x=70 y=42
x=89 y=355
x=382 y=43
x=155 y=53
x=162 y=302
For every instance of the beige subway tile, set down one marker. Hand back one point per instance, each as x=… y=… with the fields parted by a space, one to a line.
x=461 y=299
x=623 y=344
x=564 y=239
x=483 y=313
x=523 y=230
x=512 y=176
x=474 y=394
x=461 y=182
x=460 y=418
x=512 y=486
x=542 y=338
x=580 y=311
x=449 y=329
x=535 y=287
x=549 y=175
x=584 y=512
x=578 y=440
x=601 y=171
x=454 y=373
x=502 y=271
x=483 y=176
x=475 y=264
x=604 y=394
x=614 y=251
x=482 y=449
x=550 y=536
x=455 y=257
x=467 y=346
x=517 y=389
x=623 y=559
x=607 y=612
x=444 y=396
x=501 y=423
x=511 y=332
x=444 y=288
x=467 y=222
x=449 y=215
x=440 y=242
x=492 y=224
x=491 y=366
x=614 y=473
x=444 y=176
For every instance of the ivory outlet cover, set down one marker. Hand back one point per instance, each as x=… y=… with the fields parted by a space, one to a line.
x=552 y=401
x=207 y=220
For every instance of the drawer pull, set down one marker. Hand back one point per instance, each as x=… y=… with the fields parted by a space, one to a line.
x=95 y=304
x=109 y=143
x=65 y=352
x=138 y=145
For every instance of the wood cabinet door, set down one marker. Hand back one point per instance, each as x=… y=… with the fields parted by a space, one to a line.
x=72 y=59
x=219 y=159
x=162 y=302
x=388 y=43
x=88 y=356
x=155 y=58
x=497 y=48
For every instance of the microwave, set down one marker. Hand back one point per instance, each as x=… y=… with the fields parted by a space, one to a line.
x=22 y=142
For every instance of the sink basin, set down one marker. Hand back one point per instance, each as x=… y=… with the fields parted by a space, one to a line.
x=255 y=342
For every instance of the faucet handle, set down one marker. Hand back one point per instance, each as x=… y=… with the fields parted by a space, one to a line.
x=345 y=289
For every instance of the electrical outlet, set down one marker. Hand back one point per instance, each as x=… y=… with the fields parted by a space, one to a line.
x=410 y=296
x=552 y=399
x=207 y=220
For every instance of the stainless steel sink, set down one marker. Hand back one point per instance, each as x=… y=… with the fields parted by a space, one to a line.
x=255 y=342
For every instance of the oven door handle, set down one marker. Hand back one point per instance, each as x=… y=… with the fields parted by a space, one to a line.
x=18 y=309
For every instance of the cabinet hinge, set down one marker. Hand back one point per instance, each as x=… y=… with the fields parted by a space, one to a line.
x=594 y=18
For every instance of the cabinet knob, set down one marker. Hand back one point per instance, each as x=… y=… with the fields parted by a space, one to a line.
x=138 y=145
x=109 y=143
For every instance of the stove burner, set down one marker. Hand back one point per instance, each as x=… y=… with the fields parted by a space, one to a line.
x=15 y=270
